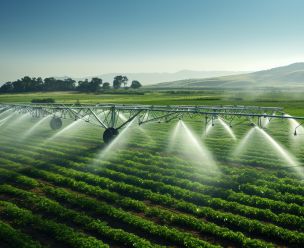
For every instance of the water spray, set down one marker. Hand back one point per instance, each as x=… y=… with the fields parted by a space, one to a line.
x=194 y=148
x=208 y=129
x=173 y=137
x=244 y=142
x=4 y=120
x=282 y=151
x=69 y=127
x=19 y=119
x=295 y=125
x=227 y=128
x=4 y=112
x=115 y=143
x=266 y=121
x=34 y=127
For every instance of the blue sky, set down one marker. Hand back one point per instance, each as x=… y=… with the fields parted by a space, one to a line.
x=81 y=38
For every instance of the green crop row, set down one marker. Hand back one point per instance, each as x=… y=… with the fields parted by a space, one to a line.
x=264 y=191
x=197 y=198
x=271 y=217
x=62 y=233
x=160 y=181
x=293 y=209
x=226 y=219
x=283 y=187
x=60 y=147
x=9 y=175
x=128 y=203
x=11 y=237
x=55 y=143
x=164 y=232
x=198 y=182
x=164 y=215
x=228 y=172
x=52 y=208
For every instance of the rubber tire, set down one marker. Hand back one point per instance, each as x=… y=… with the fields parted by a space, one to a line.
x=109 y=134
x=56 y=123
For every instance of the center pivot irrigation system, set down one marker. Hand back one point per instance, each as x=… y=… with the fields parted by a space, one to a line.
x=113 y=117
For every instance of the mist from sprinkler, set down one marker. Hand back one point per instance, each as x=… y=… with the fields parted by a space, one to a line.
x=208 y=128
x=7 y=118
x=241 y=147
x=34 y=128
x=227 y=128
x=3 y=113
x=19 y=119
x=173 y=136
x=265 y=122
x=191 y=147
x=295 y=127
x=68 y=129
x=289 y=159
x=283 y=153
x=139 y=127
x=296 y=136
x=120 y=141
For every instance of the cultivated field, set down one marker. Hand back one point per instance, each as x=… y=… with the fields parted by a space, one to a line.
x=153 y=187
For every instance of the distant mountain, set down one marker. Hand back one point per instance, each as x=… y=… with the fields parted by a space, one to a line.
x=285 y=76
x=157 y=77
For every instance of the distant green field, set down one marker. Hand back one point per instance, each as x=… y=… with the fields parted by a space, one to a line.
x=151 y=187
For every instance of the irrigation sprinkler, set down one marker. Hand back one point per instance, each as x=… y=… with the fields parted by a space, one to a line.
x=107 y=115
x=295 y=131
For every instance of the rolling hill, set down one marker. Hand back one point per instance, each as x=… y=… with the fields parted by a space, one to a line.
x=150 y=78
x=285 y=76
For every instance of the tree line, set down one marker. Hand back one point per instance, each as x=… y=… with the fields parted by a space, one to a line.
x=28 y=84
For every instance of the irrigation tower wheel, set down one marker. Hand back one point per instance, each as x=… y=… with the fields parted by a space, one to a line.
x=109 y=134
x=56 y=123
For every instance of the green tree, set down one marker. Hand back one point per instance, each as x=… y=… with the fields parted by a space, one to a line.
x=83 y=85
x=20 y=85
x=69 y=84
x=7 y=87
x=106 y=86
x=95 y=84
x=135 y=84
x=50 y=84
x=28 y=84
x=39 y=83
x=90 y=86
x=119 y=80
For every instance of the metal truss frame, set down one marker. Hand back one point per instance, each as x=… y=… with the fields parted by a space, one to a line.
x=118 y=115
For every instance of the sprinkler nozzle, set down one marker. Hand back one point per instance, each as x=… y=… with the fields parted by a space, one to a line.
x=295 y=133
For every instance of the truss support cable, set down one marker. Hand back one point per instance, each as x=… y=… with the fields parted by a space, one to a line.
x=129 y=120
x=96 y=117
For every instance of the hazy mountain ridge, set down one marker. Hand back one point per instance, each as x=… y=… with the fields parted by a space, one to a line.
x=157 y=77
x=284 y=76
